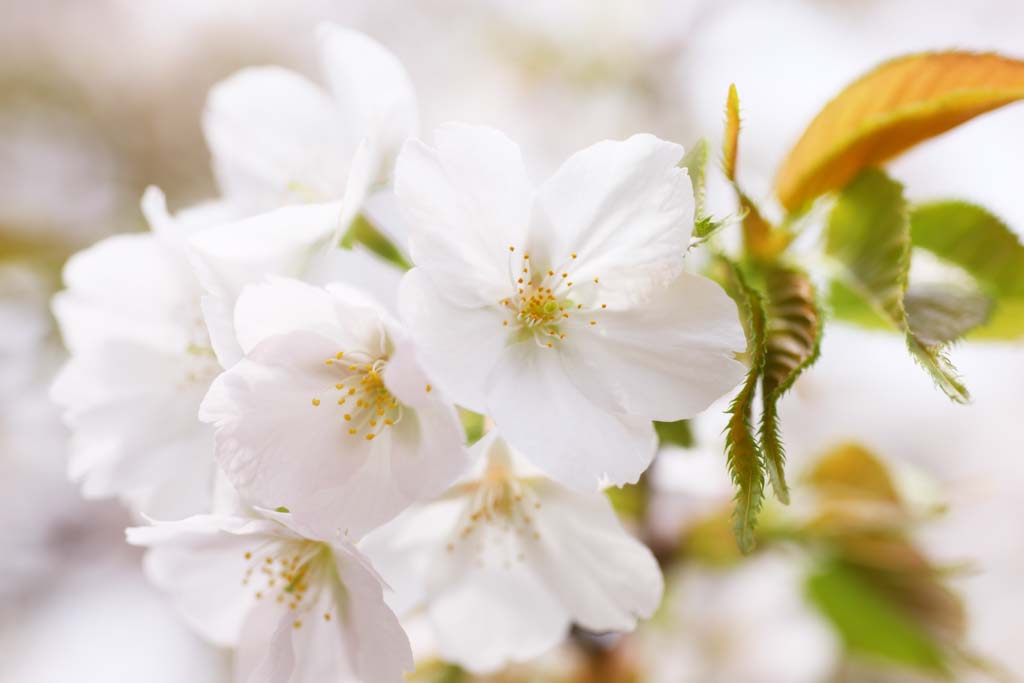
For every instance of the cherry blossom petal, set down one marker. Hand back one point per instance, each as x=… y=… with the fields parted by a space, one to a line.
x=282 y=305
x=273 y=439
x=492 y=615
x=276 y=138
x=667 y=360
x=543 y=415
x=625 y=209
x=466 y=201
x=458 y=347
x=604 y=577
x=372 y=90
x=288 y=241
x=201 y=560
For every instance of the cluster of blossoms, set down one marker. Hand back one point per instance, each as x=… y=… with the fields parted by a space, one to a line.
x=285 y=412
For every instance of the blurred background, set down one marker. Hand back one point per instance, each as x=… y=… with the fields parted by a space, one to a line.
x=100 y=99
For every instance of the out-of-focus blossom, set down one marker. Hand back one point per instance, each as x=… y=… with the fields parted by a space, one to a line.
x=329 y=413
x=277 y=138
x=566 y=305
x=749 y=623
x=298 y=607
x=507 y=560
x=141 y=361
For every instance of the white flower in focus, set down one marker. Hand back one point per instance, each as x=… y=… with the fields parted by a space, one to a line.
x=277 y=138
x=293 y=241
x=141 y=362
x=507 y=560
x=329 y=413
x=298 y=607
x=563 y=312
x=749 y=624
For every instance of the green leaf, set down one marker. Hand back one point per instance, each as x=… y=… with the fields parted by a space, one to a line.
x=365 y=233
x=675 y=433
x=869 y=623
x=868 y=233
x=695 y=162
x=743 y=453
x=792 y=344
x=974 y=239
x=472 y=424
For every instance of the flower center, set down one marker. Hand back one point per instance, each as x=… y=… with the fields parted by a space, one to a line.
x=366 y=405
x=498 y=518
x=540 y=307
x=293 y=574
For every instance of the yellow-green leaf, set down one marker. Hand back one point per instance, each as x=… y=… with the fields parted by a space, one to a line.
x=742 y=451
x=868 y=235
x=889 y=110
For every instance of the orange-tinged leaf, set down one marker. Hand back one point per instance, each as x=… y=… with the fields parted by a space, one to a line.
x=898 y=105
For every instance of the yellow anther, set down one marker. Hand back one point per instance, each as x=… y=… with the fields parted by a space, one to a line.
x=329 y=361
x=316 y=401
x=369 y=437
x=429 y=388
x=511 y=248
x=339 y=355
x=348 y=418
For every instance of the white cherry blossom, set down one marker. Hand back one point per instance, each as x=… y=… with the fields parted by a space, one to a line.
x=563 y=311
x=277 y=138
x=328 y=413
x=298 y=607
x=140 y=363
x=507 y=560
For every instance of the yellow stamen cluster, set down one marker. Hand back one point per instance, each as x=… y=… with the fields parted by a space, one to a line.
x=540 y=305
x=368 y=407
x=289 y=573
x=500 y=513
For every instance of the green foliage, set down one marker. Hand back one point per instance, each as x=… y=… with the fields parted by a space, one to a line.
x=868 y=621
x=675 y=433
x=472 y=424
x=868 y=234
x=975 y=240
x=365 y=233
x=743 y=453
x=792 y=344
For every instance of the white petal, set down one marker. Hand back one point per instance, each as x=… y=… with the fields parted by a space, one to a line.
x=403 y=549
x=410 y=461
x=265 y=651
x=542 y=414
x=601 y=574
x=274 y=445
x=466 y=201
x=288 y=241
x=497 y=615
x=377 y=645
x=103 y=298
x=372 y=89
x=458 y=346
x=201 y=561
x=666 y=360
x=625 y=208
x=276 y=138
x=132 y=410
x=362 y=268
x=283 y=305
